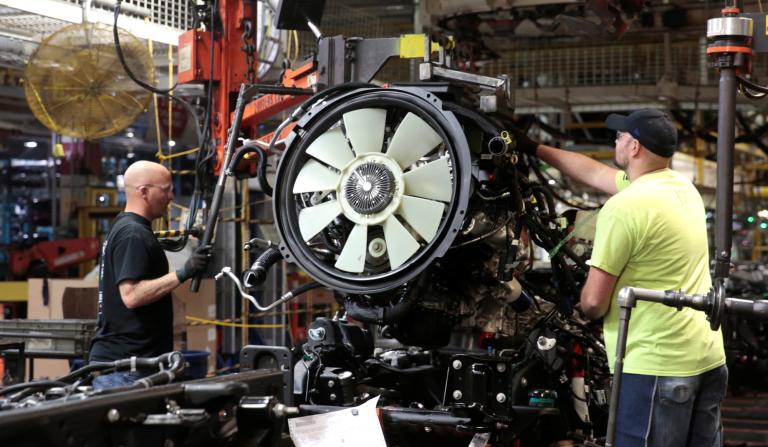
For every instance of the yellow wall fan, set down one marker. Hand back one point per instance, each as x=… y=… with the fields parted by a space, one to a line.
x=76 y=86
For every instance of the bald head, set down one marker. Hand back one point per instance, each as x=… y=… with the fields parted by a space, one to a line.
x=145 y=172
x=148 y=189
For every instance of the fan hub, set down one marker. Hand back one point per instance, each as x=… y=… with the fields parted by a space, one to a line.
x=370 y=188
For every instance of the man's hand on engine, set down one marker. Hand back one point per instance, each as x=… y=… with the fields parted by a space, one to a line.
x=196 y=263
x=523 y=143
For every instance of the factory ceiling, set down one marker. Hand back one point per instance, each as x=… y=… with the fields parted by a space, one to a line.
x=565 y=56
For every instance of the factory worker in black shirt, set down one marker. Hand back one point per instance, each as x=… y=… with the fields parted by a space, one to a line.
x=135 y=309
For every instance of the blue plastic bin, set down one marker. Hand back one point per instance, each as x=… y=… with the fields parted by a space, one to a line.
x=197 y=364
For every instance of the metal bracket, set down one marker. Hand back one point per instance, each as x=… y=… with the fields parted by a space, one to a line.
x=429 y=71
x=277 y=357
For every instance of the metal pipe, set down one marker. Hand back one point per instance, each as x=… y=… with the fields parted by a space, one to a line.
x=626 y=302
x=218 y=192
x=724 y=193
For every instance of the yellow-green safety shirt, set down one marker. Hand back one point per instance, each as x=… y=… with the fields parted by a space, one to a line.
x=652 y=234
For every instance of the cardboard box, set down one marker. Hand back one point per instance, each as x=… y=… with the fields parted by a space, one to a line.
x=198 y=337
x=37 y=309
x=53 y=310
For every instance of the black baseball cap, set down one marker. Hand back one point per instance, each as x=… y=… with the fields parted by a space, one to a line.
x=651 y=127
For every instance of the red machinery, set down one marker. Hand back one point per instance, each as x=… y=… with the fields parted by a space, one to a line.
x=51 y=256
x=235 y=63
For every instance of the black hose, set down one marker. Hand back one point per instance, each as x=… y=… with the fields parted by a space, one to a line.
x=364 y=314
x=481 y=121
x=261 y=168
x=549 y=129
x=175 y=360
x=381 y=314
x=517 y=196
x=257 y=274
x=87 y=369
x=497 y=146
x=37 y=384
x=545 y=184
x=751 y=85
x=179 y=244
x=121 y=58
x=544 y=198
x=304 y=288
x=548 y=243
x=175 y=365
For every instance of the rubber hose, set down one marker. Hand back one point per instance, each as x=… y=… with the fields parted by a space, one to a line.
x=261 y=168
x=386 y=315
x=549 y=200
x=257 y=274
x=304 y=288
x=481 y=121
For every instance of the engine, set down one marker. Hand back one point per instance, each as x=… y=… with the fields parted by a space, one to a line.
x=418 y=212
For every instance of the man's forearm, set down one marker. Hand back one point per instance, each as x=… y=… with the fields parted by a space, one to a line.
x=580 y=167
x=140 y=293
x=596 y=295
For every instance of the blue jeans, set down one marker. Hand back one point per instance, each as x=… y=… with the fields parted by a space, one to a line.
x=115 y=380
x=671 y=411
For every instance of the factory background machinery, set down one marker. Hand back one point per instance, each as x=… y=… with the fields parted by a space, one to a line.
x=377 y=234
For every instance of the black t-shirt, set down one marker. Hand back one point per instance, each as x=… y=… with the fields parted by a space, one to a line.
x=131 y=251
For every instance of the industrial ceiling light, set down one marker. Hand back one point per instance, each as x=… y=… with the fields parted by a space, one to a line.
x=371 y=188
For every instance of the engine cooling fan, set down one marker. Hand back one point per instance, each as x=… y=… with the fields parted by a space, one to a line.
x=372 y=186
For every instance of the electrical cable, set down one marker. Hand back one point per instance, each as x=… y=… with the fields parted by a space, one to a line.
x=175 y=245
x=546 y=241
x=751 y=85
x=545 y=184
x=121 y=58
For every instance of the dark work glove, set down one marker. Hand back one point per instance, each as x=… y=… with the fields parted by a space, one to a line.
x=523 y=143
x=196 y=263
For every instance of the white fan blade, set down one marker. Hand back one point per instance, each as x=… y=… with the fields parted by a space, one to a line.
x=365 y=129
x=352 y=257
x=413 y=139
x=422 y=214
x=315 y=177
x=400 y=244
x=430 y=181
x=332 y=148
x=315 y=218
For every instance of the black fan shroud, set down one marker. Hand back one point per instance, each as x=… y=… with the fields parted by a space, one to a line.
x=320 y=119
